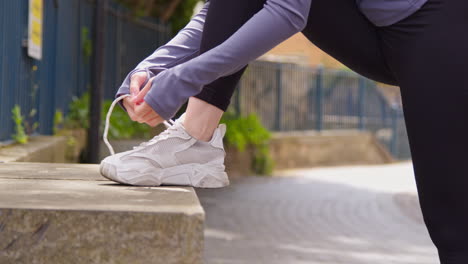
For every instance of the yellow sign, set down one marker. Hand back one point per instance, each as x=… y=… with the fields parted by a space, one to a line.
x=35 y=29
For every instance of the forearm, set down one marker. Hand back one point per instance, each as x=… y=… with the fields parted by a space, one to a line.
x=276 y=22
x=183 y=47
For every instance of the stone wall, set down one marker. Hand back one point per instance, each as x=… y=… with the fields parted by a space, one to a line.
x=64 y=148
x=327 y=148
x=288 y=150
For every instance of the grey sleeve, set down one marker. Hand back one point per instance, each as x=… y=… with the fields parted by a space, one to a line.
x=277 y=21
x=183 y=47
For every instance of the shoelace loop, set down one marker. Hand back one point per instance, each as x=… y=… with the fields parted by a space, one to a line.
x=106 y=127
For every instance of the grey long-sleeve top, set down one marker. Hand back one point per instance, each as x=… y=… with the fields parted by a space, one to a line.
x=180 y=73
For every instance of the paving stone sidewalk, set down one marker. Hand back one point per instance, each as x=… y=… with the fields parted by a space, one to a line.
x=342 y=215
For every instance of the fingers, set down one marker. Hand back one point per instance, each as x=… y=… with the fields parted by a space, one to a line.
x=136 y=81
x=127 y=103
x=130 y=108
x=154 y=122
x=139 y=98
x=137 y=109
x=145 y=114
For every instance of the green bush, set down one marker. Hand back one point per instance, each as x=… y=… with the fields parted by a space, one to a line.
x=20 y=135
x=178 y=19
x=243 y=132
x=78 y=115
x=121 y=126
x=182 y=14
x=58 y=121
x=86 y=44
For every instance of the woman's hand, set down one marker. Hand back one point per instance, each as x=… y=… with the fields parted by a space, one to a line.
x=137 y=108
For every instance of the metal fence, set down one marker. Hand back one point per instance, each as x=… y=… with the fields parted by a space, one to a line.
x=285 y=96
x=42 y=87
x=291 y=97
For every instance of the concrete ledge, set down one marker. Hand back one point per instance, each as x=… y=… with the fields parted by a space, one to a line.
x=56 y=149
x=327 y=148
x=62 y=213
x=39 y=149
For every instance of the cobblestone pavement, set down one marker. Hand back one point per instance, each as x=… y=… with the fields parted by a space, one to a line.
x=341 y=215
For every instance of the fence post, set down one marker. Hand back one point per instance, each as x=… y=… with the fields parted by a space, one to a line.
x=361 y=94
x=310 y=106
x=319 y=99
x=97 y=90
x=394 y=141
x=237 y=106
x=279 y=97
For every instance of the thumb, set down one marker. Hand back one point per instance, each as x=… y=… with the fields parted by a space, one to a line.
x=139 y=98
x=136 y=81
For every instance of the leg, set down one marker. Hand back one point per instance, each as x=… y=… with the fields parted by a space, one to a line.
x=428 y=53
x=353 y=40
x=224 y=18
x=205 y=110
x=202 y=119
x=345 y=34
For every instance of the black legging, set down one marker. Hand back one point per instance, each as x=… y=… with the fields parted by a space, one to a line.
x=426 y=55
x=230 y=15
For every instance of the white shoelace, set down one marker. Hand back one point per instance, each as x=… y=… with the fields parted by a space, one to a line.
x=106 y=127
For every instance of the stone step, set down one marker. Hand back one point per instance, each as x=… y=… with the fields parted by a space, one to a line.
x=68 y=213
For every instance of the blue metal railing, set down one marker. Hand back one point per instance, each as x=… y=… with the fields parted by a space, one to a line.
x=292 y=97
x=65 y=71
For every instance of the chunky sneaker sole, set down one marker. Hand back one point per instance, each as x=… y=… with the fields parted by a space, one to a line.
x=195 y=175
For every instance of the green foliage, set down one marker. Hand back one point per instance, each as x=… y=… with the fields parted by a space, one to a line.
x=58 y=120
x=71 y=141
x=263 y=163
x=29 y=125
x=20 y=135
x=78 y=115
x=86 y=43
x=246 y=132
x=182 y=14
x=121 y=126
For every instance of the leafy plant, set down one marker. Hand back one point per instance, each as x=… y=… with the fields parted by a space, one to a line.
x=29 y=125
x=20 y=135
x=246 y=132
x=78 y=115
x=121 y=126
x=58 y=120
x=182 y=14
x=164 y=10
x=86 y=43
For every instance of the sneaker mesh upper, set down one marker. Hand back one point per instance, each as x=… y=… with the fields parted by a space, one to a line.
x=164 y=146
x=200 y=152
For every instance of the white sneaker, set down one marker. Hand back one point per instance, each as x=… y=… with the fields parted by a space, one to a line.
x=171 y=158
